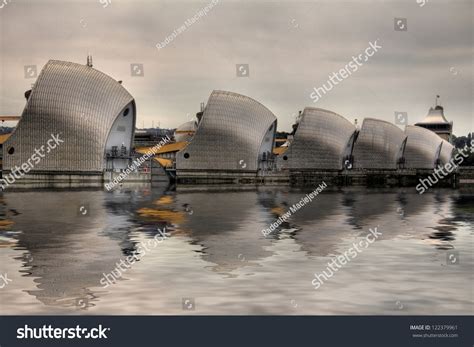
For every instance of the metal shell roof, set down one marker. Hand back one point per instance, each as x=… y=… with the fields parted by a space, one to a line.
x=446 y=153
x=377 y=145
x=75 y=101
x=229 y=135
x=421 y=148
x=185 y=131
x=435 y=116
x=319 y=141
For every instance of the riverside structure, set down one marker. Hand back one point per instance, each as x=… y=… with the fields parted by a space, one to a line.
x=231 y=140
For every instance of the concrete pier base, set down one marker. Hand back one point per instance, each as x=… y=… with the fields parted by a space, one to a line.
x=371 y=178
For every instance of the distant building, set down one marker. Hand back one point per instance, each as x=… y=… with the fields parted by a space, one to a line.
x=92 y=113
x=437 y=123
x=150 y=136
x=185 y=131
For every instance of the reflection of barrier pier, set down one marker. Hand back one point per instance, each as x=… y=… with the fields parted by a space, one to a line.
x=466 y=176
x=395 y=178
x=387 y=178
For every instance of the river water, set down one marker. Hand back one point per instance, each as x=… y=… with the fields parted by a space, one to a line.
x=56 y=246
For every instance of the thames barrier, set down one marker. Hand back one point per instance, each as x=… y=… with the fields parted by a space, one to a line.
x=231 y=140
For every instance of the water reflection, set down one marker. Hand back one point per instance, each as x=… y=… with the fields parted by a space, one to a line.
x=64 y=241
x=227 y=226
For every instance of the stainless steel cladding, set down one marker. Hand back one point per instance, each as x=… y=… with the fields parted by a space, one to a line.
x=80 y=104
x=378 y=145
x=446 y=152
x=319 y=142
x=422 y=148
x=230 y=136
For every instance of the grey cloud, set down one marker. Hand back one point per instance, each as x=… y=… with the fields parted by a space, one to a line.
x=291 y=47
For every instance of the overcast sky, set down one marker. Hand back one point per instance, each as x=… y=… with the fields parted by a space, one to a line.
x=290 y=46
